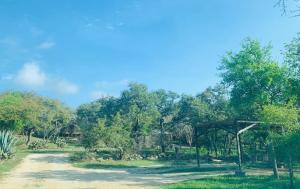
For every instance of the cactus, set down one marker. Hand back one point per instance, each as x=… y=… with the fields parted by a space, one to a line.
x=7 y=144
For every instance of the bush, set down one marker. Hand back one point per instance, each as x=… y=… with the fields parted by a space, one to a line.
x=38 y=144
x=60 y=142
x=133 y=157
x=82 y=156
x=111 y=153
x=7 y=144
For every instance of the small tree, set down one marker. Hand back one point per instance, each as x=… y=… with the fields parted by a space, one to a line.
x=193 y=111
x=285 y=139
x=116 y=136
x=188 y=132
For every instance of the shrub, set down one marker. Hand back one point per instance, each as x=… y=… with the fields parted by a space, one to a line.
x=82 y=156
x=60 y=142
x=109 y=153
x=7 y=144
x=38 y=144
x=133 y=157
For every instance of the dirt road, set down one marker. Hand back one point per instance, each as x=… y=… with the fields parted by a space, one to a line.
x=53 y=171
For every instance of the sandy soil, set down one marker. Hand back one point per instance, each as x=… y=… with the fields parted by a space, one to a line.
x=53 y=171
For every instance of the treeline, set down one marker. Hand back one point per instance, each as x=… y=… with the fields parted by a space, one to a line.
x=27 y=113
x=254 y=89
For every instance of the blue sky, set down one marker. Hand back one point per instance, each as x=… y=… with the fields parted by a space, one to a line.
x=76 y=51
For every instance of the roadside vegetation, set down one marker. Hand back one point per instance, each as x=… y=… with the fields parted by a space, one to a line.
x=255 y=107
x=233 y=182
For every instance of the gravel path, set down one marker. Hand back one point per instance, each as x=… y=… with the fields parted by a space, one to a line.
x=53 y=171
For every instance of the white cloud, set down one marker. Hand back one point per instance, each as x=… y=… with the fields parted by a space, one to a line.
x=98 y=94
x=66 y=87
x=31 y=75
x=46 y=45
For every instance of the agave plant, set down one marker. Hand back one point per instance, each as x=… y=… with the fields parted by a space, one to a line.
x=7 y=144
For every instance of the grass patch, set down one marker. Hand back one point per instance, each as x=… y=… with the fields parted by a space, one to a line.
x=120 y=164
x=192 y=169
x=9 y=164
x=69 y=148
x=153 y=166
x=233 y=182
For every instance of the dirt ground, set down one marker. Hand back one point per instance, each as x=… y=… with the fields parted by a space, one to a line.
x=53 y=171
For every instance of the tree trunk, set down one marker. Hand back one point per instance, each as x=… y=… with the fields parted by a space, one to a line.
x=291 y=173
x=177 y=152
x=29 y=131
x=162 y=142
x=254 y=157
x=274 y=161
x=216 y=150
x=198 y=155
x=197 y=147
x=215 y=143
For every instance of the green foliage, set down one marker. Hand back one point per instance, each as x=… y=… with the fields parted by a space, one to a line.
x=254 y=78
x=7 y=144
x=288 y=146
x=118 y=123
x=60 y=142
x=82 y=156
x=193 y=111
x=286 y=116
x=13 y=113
x=89 y=138
x=292 y=61
x=52 y=117
x=138 y=107
x=233 y=182
x=28 y=112
x=108 y=153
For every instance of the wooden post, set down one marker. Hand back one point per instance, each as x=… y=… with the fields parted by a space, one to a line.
x=239 y=151
x=238 y=142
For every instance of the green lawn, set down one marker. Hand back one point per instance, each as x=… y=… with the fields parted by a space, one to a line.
x=233 y=182
x=108 y=164
x=7 y=165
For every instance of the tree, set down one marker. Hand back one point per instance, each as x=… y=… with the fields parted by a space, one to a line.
x=166 y=106
x=285 y=7
x=29 y=112
x=19 y=111
x=188 y=132
x=292 y=61
x=116 y=136
x=255 y=81
x=90 y=123
x=217 y=101
x=11 y=111
x=194 y=112
x=137 y=106
x=285 y=116
x=254 y=78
